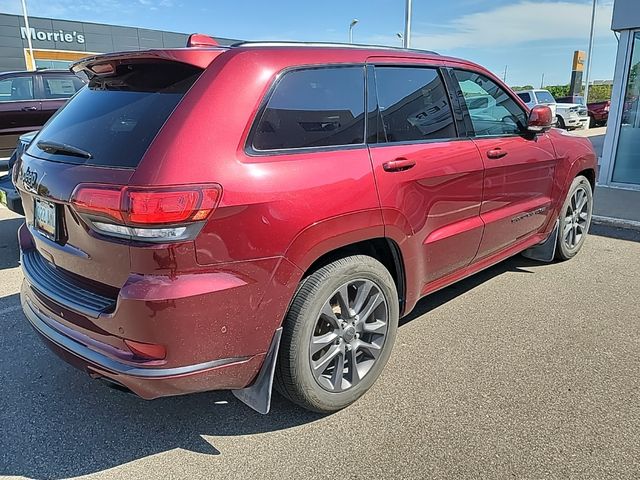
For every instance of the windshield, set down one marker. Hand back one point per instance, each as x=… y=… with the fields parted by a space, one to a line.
x=545 y=97
x=113 y=120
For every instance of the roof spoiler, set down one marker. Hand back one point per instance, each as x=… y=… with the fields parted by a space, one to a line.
x=201 y=40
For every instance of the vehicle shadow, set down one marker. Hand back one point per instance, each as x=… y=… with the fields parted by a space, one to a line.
x=517 y=263
x=614 y=232
x=57 y=423
x=9 y=253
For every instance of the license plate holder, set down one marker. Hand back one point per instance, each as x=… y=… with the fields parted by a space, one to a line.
x=45 y=218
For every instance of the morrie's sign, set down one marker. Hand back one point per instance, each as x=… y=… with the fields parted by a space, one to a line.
x=56 y=36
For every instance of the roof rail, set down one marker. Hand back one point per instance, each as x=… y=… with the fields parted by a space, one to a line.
x=327 y=44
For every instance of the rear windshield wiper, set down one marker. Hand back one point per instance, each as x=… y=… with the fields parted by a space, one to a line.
x=55 y=148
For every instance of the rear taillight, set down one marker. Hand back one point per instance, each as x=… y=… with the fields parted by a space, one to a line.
x=607 y=106
x=143 y=213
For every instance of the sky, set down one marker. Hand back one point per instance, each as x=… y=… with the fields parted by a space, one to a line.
x=529 y=38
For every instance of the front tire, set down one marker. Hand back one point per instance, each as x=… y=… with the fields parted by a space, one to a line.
x=338 y=334
x=575 y=218
x=560 y=122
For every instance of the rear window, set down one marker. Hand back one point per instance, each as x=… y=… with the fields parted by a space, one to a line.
x=545 y=97
x=526 y=98
x=113 y=121
x=318 y=107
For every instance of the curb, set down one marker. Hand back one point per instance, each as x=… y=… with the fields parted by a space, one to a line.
x=616 y=222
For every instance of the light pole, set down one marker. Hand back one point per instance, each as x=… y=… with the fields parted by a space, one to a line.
x=26 y=25
x=401 y=37
x=351 y=25
x=586 y=84
x=407 y=25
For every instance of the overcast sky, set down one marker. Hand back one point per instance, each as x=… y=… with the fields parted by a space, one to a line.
x=530 y=37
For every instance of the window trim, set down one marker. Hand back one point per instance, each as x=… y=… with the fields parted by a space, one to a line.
x=463 y=103
x=250 y=150
x=440 y=73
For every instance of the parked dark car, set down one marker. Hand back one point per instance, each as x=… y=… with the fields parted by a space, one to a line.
x=598 y=111
x=9 y=196
x=29 y=99
x=202 y=218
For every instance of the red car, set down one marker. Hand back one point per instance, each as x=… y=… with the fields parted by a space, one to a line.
x=223 y=218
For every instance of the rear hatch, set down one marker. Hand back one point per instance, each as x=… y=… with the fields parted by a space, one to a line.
x=96 y=141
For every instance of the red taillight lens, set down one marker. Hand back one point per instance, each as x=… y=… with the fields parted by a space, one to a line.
x=148 y=351
x=170 y=206
x=99 y=200
x=147 y=206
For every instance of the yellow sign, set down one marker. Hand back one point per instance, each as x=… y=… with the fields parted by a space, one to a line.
x=579 y=58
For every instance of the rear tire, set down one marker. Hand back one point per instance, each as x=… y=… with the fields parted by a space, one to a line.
x=575 y=218
x=338 y=334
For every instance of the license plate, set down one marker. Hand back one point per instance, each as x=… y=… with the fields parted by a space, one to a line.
x=45 y=217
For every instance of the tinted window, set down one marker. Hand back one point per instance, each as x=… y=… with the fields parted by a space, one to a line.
x=16 y=88
x=116 y=117
x=491 y=108
x=414 y=104
x=62 y=86
x=526 y=97
x=313 y=108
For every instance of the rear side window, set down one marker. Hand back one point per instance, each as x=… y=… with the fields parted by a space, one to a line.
x=60 y=86
x=414 y=104
x=113 y=121
x=525 y=96
x=318 y=107
x=15 y=89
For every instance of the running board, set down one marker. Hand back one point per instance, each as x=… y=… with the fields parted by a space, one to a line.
x=258 y=394
x=545 y=251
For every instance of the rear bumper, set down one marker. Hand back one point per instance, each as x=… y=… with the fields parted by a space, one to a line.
x=147 y=382
x=216 y=326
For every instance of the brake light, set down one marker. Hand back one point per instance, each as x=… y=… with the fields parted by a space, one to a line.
x=98 y=200
x=172 y=206
x=154 y=214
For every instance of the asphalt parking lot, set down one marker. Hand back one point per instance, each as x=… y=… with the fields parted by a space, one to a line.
x=522 y=371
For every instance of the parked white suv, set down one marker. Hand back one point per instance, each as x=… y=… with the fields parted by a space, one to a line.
x=569 y=115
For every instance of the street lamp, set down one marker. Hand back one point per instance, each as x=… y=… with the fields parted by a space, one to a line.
x=590 y=51
x=351 y=25
x=401 y=37
x=407 y=25
x=32 y=66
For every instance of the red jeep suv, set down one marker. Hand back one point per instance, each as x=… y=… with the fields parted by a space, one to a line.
x=230 y=218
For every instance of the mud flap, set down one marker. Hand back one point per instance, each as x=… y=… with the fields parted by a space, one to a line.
x=545 y=251
x=258 y=394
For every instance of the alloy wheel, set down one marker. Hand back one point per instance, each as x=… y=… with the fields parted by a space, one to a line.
x=576 y=219
x=349 y=335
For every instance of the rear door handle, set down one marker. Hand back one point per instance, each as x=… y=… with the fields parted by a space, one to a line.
x=29 y=109
x=496 y=153
x=398 y=165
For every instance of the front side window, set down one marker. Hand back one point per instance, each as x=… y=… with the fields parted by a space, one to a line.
x=491 y=108
x=15 y=89
x=414 y=104
x=317 y=107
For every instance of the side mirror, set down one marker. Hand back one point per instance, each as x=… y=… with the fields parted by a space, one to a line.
x=540 y=119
